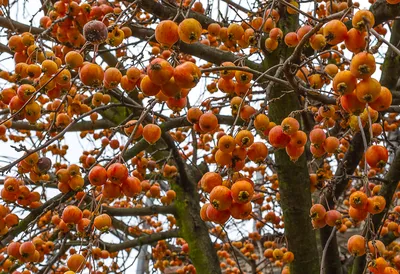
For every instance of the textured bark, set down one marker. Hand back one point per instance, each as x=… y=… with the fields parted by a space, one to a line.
x=389 y=188
x=195 y=231
x=332 y=264
x=192 y=228
x=294 y=179
x=391 y=64
x=294 y=188
x=383 y=11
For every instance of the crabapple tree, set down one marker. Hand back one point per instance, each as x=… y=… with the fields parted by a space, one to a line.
x=215 y=136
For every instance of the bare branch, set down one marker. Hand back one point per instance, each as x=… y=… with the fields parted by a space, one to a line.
x=81 y=126
x=139 y=211
x=142 y=240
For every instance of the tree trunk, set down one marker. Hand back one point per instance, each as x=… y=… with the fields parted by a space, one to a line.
x=294 y=188
x=195 y=231
x=192 y=228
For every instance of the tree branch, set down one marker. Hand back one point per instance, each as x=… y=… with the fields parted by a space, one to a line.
x=168 y=12
x=139 y=211
x=9 y=24
x=142 y=240
x=391 y=64
x=81 y=126
x=24 y=223
x=350 y=162
x=387 y=191
x=383 y=11
x=4 y=48
x=165 y=127
x=204 y=52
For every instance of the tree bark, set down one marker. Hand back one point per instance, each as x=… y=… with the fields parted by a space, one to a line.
x=391 y=64
x=294 y=179
x=294 y=188
x=192 y=228
x=353 y=156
